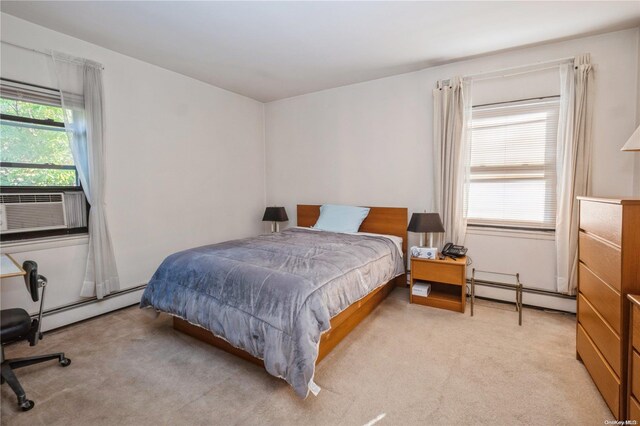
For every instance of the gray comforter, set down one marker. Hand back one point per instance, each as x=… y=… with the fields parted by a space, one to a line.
x=274 y=295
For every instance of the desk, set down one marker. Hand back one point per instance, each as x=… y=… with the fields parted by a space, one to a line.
x=10 y=268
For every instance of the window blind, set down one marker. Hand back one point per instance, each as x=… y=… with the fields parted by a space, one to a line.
x=513 y=164
x=28 y=93
x=17 y=91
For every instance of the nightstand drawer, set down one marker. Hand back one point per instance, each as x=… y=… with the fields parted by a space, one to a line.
x=441 y=272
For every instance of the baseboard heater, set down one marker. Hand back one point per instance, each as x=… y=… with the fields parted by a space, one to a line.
x=486 y=283
x=89 y=301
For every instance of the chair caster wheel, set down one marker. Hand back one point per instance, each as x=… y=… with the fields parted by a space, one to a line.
x=27 y=405
x=65 y=362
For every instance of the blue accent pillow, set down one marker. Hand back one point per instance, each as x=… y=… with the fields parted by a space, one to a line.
x=336 y=218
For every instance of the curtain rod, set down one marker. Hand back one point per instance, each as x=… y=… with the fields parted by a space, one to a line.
x=521 y=69
x=511 y=102
x=41 y=52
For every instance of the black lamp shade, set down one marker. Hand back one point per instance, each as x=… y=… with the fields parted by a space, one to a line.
x=425 y=222
x=275 y=214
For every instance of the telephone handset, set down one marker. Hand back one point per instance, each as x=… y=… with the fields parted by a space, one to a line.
x=453 y=251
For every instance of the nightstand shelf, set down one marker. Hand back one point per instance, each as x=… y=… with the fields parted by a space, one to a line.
x=448 y=282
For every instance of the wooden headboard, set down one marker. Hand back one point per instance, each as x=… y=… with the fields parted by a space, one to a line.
x=380 y=220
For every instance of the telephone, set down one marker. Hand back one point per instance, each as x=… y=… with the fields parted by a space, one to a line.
x=453 y=251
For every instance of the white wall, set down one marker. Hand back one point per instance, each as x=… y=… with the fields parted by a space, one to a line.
x=185 y=166
x=186 y=161
x=371 y=143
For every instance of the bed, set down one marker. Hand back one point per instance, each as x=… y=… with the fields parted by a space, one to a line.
x=284 y=300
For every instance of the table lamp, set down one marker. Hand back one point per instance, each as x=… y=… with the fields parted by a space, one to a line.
x=275 y=215
x=633 y=144
x=425 y=222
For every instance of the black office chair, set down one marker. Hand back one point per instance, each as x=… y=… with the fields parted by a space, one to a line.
x=17 y=325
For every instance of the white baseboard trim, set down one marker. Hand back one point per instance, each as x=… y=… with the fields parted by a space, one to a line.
x=82 y=312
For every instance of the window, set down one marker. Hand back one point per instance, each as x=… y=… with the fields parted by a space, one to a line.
x=34 y=147
x=513 y=165
x=41 y=192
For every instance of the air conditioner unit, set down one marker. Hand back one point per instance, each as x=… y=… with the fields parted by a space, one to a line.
x=32 y=212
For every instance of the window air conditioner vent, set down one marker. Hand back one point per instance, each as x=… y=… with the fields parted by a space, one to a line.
x=32 y=212
x=31 y=198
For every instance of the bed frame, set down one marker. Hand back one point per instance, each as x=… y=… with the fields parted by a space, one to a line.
x=381 y=220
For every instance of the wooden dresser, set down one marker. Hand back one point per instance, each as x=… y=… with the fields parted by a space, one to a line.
x=633 y=391
x=608 y=270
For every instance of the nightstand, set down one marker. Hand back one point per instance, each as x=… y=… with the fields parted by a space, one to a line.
x=448 y=279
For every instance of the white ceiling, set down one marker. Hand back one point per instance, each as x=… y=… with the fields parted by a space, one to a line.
x=275 y=50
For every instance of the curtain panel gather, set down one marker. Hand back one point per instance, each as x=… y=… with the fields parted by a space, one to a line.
x=573 y=165
x=80 y=83
x=451 y=136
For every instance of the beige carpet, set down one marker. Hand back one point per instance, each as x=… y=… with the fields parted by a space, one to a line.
x=405 y=364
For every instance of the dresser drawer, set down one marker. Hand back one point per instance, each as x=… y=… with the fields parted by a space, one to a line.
x=442 y=272
x=603 y=259
x=634 y=409
x=635 y=374
x=605 y=299
x=635 y=332
x=602 y=375
x=600 y=332
x=602 y=219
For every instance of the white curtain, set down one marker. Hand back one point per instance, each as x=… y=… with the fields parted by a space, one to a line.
x=573 y=165
x=451 y=137
x=80 y=82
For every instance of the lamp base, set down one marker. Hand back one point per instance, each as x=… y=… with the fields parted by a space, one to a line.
x=422 y=242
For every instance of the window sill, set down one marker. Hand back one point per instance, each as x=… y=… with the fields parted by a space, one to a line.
x=45 y=243
x=512 y=233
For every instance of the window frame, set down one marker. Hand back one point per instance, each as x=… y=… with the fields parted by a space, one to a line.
x=47 y=166
x=11 y=189
x=504 y=225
